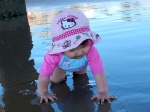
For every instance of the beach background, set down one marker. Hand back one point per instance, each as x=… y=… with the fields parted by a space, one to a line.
x=124 y=26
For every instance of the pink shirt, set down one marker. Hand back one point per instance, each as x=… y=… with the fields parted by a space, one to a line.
x=51 y=61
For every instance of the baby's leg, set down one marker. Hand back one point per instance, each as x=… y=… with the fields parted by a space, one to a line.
x=58 y=75
x=83 y=71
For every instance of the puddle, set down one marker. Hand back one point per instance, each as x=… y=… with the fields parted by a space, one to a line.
x=123 y=26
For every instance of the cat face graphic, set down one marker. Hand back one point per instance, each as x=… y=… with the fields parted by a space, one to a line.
x=69 y=23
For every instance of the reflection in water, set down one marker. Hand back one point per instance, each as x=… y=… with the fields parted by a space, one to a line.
x=76 y=100
x=16 y=70
x=132 y=11
x=102 y=11
x=121 y=11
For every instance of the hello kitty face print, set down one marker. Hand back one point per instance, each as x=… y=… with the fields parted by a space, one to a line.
x=69 y=23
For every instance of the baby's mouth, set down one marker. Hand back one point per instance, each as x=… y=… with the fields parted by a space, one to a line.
x=79 y=57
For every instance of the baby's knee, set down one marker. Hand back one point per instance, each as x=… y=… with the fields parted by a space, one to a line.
x=54 y=80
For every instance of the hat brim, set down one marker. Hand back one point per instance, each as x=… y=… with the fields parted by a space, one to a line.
x=72 y=42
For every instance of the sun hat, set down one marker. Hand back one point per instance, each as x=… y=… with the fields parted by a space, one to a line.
x=68 y=30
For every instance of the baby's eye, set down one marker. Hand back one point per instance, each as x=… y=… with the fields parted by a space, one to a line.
x=84 y=43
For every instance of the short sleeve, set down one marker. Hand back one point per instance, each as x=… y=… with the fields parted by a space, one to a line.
x=95 y=61
x=49 y=64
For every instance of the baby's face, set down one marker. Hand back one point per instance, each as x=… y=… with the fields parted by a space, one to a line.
x=78 y=52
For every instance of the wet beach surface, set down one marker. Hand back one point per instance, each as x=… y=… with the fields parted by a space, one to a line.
x=125 y=50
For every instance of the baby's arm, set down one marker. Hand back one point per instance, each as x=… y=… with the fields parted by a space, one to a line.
x=97 y=69
x=43 y=89
x=101 y=82
x=46 y=71
x=43 y=84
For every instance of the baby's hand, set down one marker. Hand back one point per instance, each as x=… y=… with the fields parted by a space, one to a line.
x=47 y=96
x=101 y=96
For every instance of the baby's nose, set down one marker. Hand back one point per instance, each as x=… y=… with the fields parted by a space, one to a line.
x=80 y=53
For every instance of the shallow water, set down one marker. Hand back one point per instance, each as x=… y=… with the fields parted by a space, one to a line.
x=125 y=50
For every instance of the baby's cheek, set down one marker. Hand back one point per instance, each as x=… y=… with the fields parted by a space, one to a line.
x=86 y=50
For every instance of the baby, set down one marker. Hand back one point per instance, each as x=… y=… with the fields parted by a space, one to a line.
x=72 y=49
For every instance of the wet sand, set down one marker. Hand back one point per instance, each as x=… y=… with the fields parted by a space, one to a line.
x=125 y=50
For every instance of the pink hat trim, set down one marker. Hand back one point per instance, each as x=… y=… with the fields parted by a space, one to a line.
x=70 y=33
